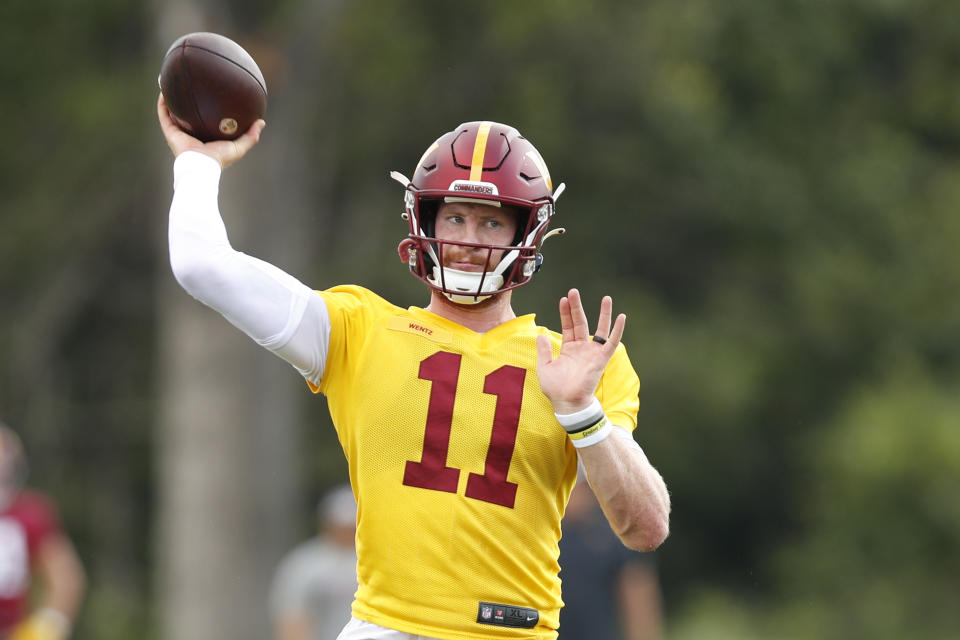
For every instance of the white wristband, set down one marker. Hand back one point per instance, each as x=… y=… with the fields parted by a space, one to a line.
x=574 y=421
x=587 y=426
x=593 y=435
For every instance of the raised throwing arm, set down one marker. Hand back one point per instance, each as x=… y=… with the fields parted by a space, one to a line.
x=272 y=307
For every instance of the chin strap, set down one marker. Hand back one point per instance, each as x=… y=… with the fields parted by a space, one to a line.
x=467 y=283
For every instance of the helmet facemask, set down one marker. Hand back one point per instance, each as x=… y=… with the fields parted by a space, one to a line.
x=517 y=261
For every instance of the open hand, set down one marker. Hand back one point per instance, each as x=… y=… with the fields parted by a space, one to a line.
x=226 y=152
x=571 y=379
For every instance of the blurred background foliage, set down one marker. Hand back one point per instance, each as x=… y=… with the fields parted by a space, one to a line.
x=769 y=190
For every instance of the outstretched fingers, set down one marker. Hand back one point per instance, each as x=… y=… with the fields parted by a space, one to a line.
x=566 y=320
x=575 y=325
x=544 y=351
x=616 y=334
x=602 y=334
x=578 y=317
x=609 y=337
x=570 y=380
x=605 y=335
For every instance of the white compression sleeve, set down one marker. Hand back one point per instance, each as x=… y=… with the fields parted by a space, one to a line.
x=275 y=309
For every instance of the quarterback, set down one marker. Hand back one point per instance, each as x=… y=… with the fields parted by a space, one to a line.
x=461 y=422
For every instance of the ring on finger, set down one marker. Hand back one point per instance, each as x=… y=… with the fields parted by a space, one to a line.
x=599 y=340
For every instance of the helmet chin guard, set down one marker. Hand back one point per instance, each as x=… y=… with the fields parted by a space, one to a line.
x=485 y=163
x=474 y=286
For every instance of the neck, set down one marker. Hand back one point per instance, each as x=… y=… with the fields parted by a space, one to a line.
x=480 y=317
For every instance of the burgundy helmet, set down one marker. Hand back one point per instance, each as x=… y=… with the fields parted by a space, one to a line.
x=487 y=163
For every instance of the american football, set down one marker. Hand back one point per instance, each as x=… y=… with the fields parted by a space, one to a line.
x=213 y=88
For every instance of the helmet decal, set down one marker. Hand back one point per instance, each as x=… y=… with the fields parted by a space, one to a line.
x=468 y=187
x=534 y=155
x=426 y=154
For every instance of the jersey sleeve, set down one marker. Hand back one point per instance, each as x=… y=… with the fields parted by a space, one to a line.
x=351 y=311
x=619 y=390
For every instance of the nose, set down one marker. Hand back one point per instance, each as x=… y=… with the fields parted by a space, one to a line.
x=471 y=233
x=458 y=250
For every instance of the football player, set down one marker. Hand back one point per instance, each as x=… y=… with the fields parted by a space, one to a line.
x=461 y=422
x=33 y=549
x=313 y=586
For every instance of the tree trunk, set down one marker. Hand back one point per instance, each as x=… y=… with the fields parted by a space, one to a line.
x=227 y=433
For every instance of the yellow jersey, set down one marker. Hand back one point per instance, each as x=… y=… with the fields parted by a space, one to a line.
x=460 y=468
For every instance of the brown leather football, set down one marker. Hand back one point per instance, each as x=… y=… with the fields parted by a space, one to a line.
x=213 y=88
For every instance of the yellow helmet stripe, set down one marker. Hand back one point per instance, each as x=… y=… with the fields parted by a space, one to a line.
x=479 y=149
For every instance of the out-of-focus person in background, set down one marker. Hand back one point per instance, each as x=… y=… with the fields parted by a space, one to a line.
x=314 y=584
x=610 y=592
x=37 y=558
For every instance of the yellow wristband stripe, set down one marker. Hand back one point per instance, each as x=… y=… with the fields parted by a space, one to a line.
x=589 y=430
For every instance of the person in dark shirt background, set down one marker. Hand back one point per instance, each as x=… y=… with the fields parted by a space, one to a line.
x=610 y=592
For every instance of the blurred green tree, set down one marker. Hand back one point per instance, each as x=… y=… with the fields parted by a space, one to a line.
x=769 y=191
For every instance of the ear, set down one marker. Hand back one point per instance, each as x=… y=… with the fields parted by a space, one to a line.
x=403 y=249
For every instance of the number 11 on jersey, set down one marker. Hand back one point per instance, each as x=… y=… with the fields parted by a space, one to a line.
x=432 y=472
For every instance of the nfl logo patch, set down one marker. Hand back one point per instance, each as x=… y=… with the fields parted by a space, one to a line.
x=503 y=615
